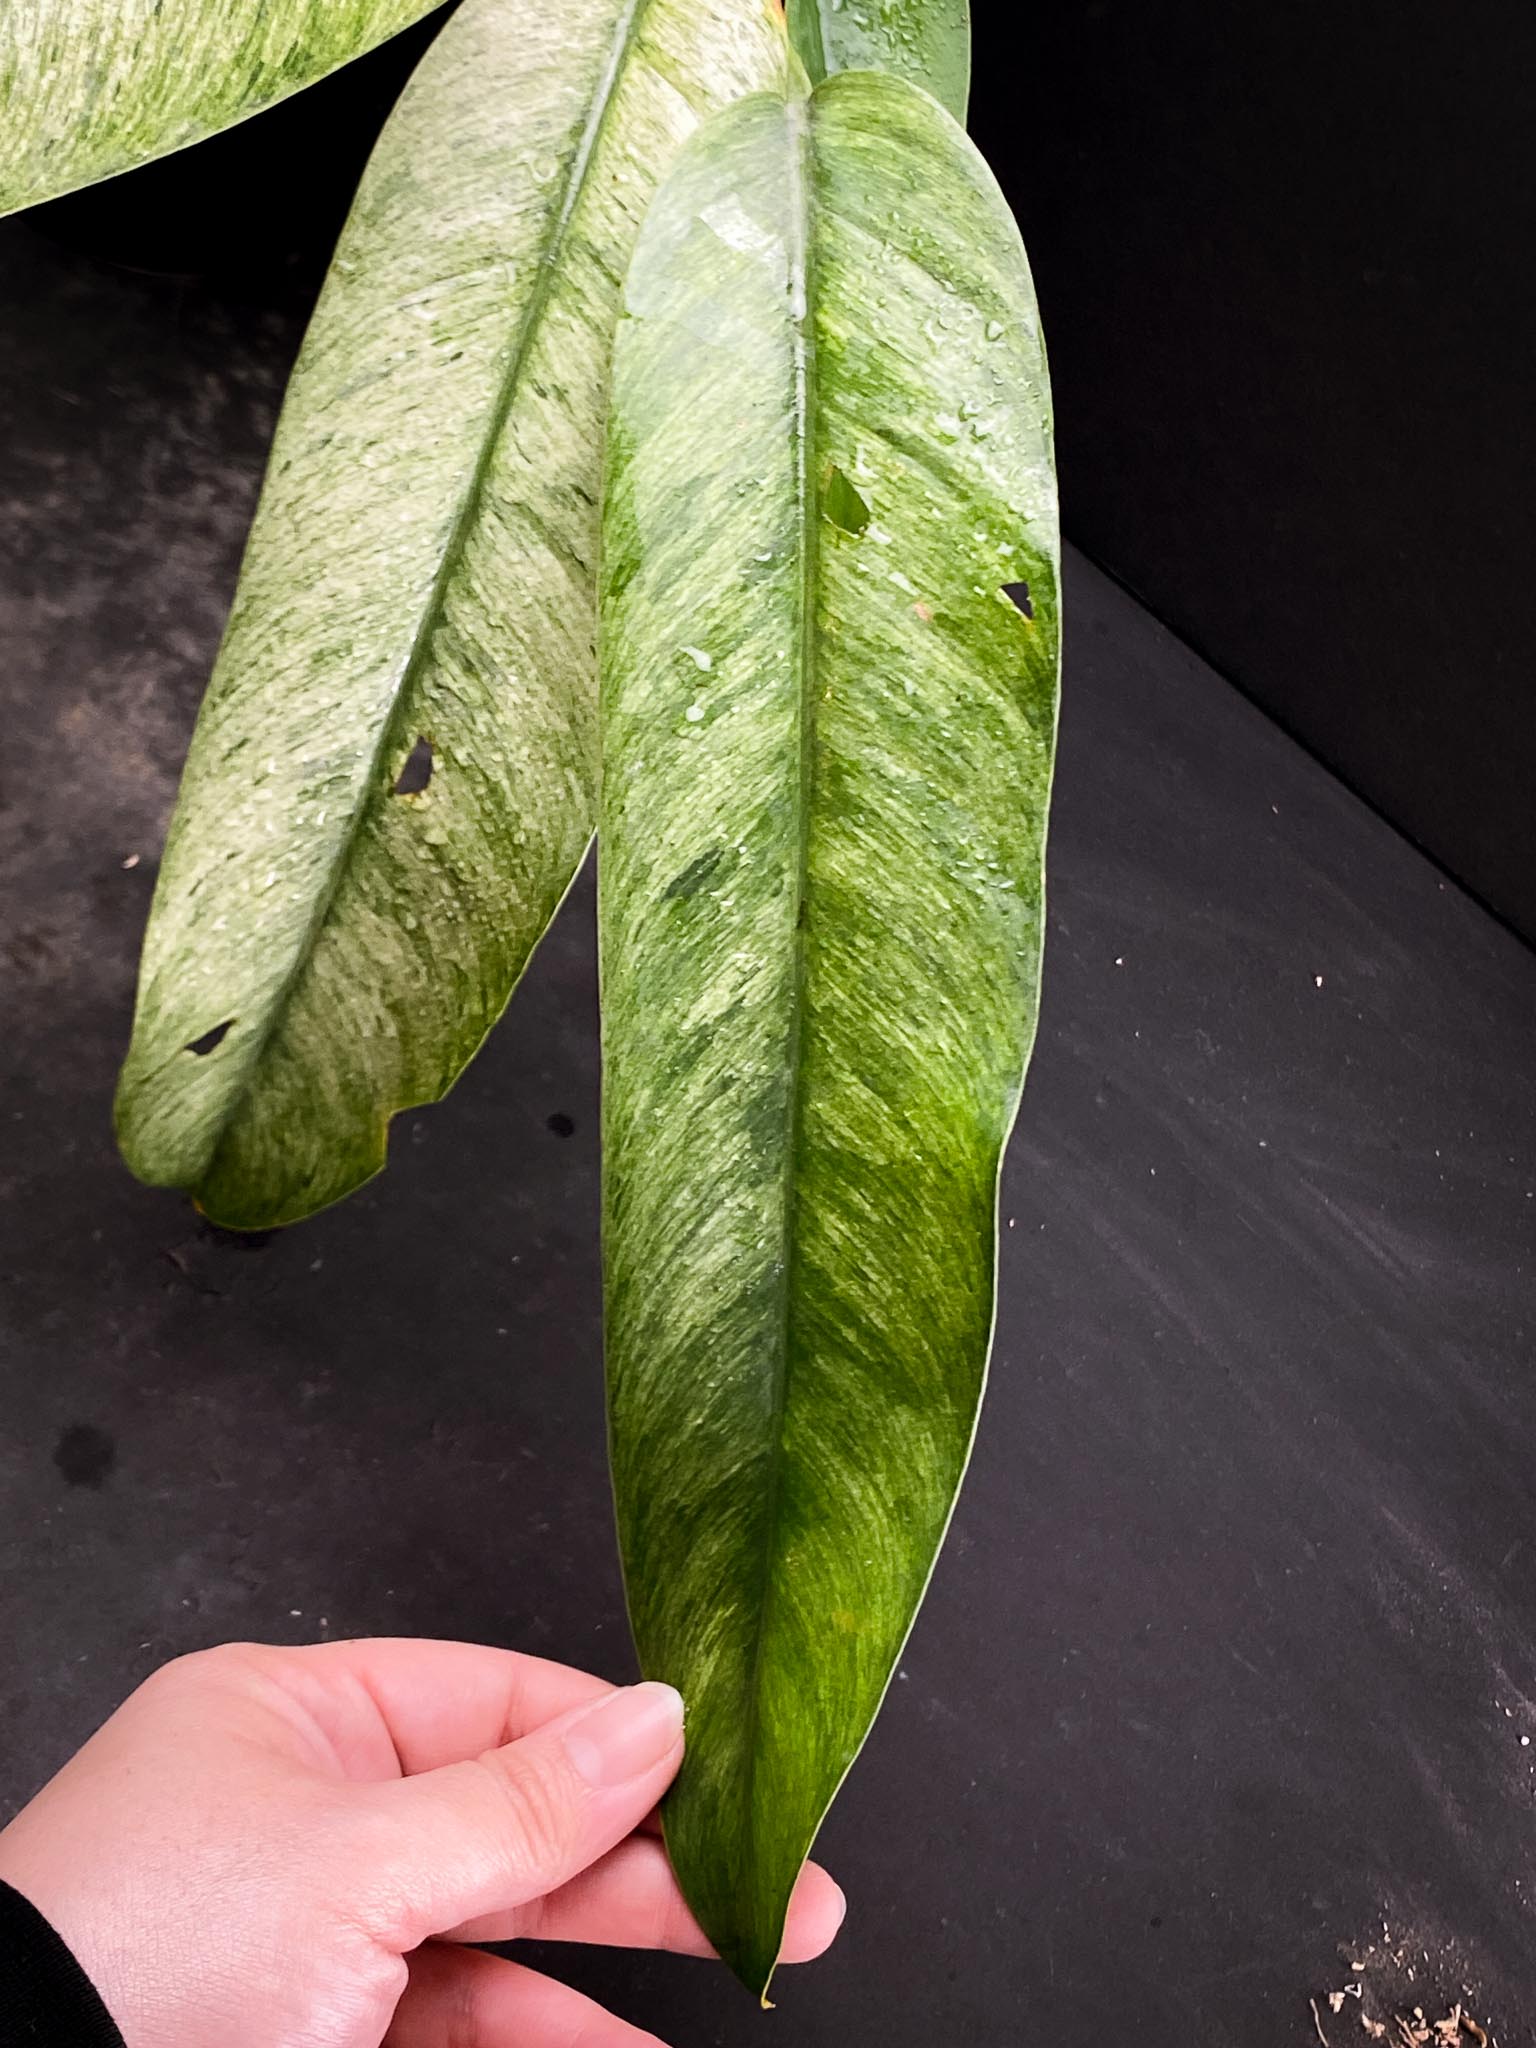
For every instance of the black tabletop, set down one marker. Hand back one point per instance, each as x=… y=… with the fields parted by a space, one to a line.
x=1224 y=1698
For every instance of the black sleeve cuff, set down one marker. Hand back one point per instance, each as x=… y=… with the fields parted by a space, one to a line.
x=46 y=1999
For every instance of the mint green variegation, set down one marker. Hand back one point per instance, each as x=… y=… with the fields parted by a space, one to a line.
x=926 y=41
x=830 y=636
x=422 y=566
x=89 y=88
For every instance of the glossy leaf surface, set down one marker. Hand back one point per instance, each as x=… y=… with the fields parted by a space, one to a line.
x=830 y=649
x=394 y=775
x=926 y=41
x=89 y=88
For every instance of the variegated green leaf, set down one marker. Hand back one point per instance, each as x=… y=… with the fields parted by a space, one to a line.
x=829 y=633
x=330 y=941
x=89 y=88
x=926 y=41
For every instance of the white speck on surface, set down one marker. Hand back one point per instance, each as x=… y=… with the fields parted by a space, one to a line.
x=132 y=861
x=700 y=659
x=694 y=713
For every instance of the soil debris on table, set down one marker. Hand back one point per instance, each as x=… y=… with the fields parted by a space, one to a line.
x=1405 y=2030
x=1387 y=1986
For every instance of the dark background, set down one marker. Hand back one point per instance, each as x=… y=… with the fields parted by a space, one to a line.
x=1223 y=1682
x=1283 y=253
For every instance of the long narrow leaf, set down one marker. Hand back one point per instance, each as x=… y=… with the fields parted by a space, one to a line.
x=830 y=636
x=926 y=41
x=92 y=87
x=393 y=778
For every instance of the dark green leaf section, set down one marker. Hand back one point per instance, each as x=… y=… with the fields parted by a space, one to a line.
x=92 y=87
x=828 y=734
x=394 y=775
x=925 y=41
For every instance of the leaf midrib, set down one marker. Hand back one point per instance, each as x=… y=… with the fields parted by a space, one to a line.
x=804 y=668
x=464 y=518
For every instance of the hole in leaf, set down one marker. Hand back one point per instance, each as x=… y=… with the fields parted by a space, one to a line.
x=417 y=772
x=211 y=1040
x=1018 y=593
x=562 y=1125
x=842 y=503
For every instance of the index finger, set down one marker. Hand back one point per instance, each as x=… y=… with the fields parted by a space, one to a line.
x=393 y=1706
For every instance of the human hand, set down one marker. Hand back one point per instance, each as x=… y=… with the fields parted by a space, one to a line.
x=269 y=1848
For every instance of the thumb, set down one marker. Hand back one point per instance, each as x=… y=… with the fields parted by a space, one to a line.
x=493 y=1833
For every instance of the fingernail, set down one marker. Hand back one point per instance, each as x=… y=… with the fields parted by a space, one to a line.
x=626 y=1734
